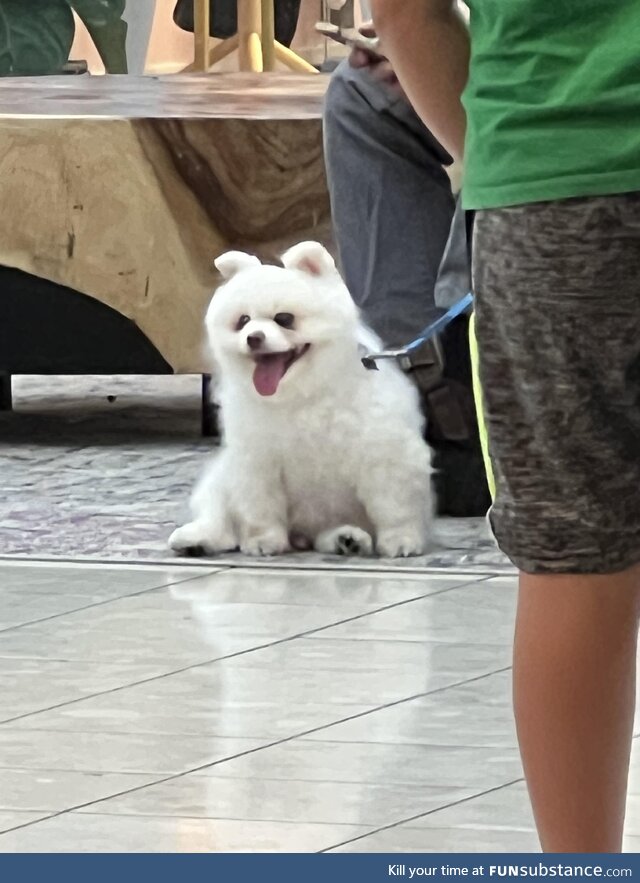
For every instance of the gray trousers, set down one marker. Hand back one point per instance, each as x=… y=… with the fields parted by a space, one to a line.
x=391 y=201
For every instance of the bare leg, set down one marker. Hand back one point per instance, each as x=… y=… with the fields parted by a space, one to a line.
x=574 y=696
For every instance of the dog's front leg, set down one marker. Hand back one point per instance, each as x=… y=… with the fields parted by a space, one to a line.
x=211 y=530
x=261 y=511
x=397 y=497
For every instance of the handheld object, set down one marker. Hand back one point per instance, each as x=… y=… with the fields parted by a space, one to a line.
x=351 y=38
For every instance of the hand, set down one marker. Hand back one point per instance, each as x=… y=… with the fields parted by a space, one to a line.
x=379 y=67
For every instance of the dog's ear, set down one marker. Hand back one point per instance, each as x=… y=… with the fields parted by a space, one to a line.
x=309 y=257
x=232 y=262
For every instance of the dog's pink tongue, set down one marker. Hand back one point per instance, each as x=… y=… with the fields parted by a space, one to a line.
x=269 y=372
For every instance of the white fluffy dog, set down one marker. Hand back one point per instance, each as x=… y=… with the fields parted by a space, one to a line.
x=318 y=451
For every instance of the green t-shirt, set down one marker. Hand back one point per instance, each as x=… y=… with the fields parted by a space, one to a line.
x=553 y=100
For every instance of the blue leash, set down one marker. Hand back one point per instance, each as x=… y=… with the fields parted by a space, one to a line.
x=404 y=354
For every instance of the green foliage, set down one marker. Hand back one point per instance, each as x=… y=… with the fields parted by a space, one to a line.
x=36 y=36
x=103 y=20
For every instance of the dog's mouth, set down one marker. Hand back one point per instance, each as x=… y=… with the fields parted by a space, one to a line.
x=271 y=368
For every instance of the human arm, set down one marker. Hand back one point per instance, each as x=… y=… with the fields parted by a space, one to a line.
x=379 y=68
x=427 y=43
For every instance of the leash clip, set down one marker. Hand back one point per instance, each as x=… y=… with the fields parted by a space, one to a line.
x=424 y=353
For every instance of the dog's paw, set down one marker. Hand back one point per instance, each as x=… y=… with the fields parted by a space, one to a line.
x=400 y=544
x=267 y=544
x=195 y=539
x=346 y=540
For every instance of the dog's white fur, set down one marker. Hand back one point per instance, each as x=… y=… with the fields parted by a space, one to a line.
x=335 y=457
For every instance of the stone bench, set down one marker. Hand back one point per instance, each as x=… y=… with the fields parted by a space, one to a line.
x=117 y=194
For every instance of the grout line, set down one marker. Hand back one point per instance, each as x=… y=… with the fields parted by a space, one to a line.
x=151 y=815
x=196 y=772
x=92 y=605
x=352 y=639
x=429 y=813
x=408 y=641
x=225 y=657
x=280 y=563
x=423 y=815
x=126 y=733
x=302 y=736
x=473 y=578
x=249 y=751
x=77 y=771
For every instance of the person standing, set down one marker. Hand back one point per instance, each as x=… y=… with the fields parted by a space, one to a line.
x=543 y=100
x=392 y=208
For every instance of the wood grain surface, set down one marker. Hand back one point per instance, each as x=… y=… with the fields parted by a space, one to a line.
x=126 y=189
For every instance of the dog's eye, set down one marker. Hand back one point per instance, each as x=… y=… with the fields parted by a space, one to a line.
x=242 y=321
x=284 y=320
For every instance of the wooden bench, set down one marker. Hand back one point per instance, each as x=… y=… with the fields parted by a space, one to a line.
x=117 y=194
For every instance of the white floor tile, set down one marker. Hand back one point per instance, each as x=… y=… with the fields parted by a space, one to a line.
x=375 y=763
x=31 y=593
x=112 y=680
x=403 y=839
x=481 y=613
x=9 y=820
x=56 y=790
x=475 y=713
x=266 y=799
x=76 y=832
x=146 y=753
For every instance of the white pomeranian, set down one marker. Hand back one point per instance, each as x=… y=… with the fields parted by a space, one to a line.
x=318 y=451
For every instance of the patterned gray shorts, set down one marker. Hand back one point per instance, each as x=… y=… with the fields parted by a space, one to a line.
x=557 y=289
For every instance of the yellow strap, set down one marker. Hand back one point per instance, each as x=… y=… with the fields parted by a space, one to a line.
x=477 y=392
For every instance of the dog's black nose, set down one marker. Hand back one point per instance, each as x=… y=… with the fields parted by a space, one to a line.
x=255 y=340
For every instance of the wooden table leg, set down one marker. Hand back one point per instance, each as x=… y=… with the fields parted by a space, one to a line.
x=210 y=411
x=6 y=399
x=268 y=35
x=201 y=14
x=249 y=28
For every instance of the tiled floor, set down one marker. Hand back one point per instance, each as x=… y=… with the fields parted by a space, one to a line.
x=114 y=464
x=182 y=709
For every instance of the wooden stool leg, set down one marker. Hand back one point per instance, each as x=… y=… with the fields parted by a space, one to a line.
x=249 y=27
x=268 y=35
x=293 y=61
x=223 y=49
x=210 y=423
x=201 y=29
x=6 y=398
x=216 y=54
